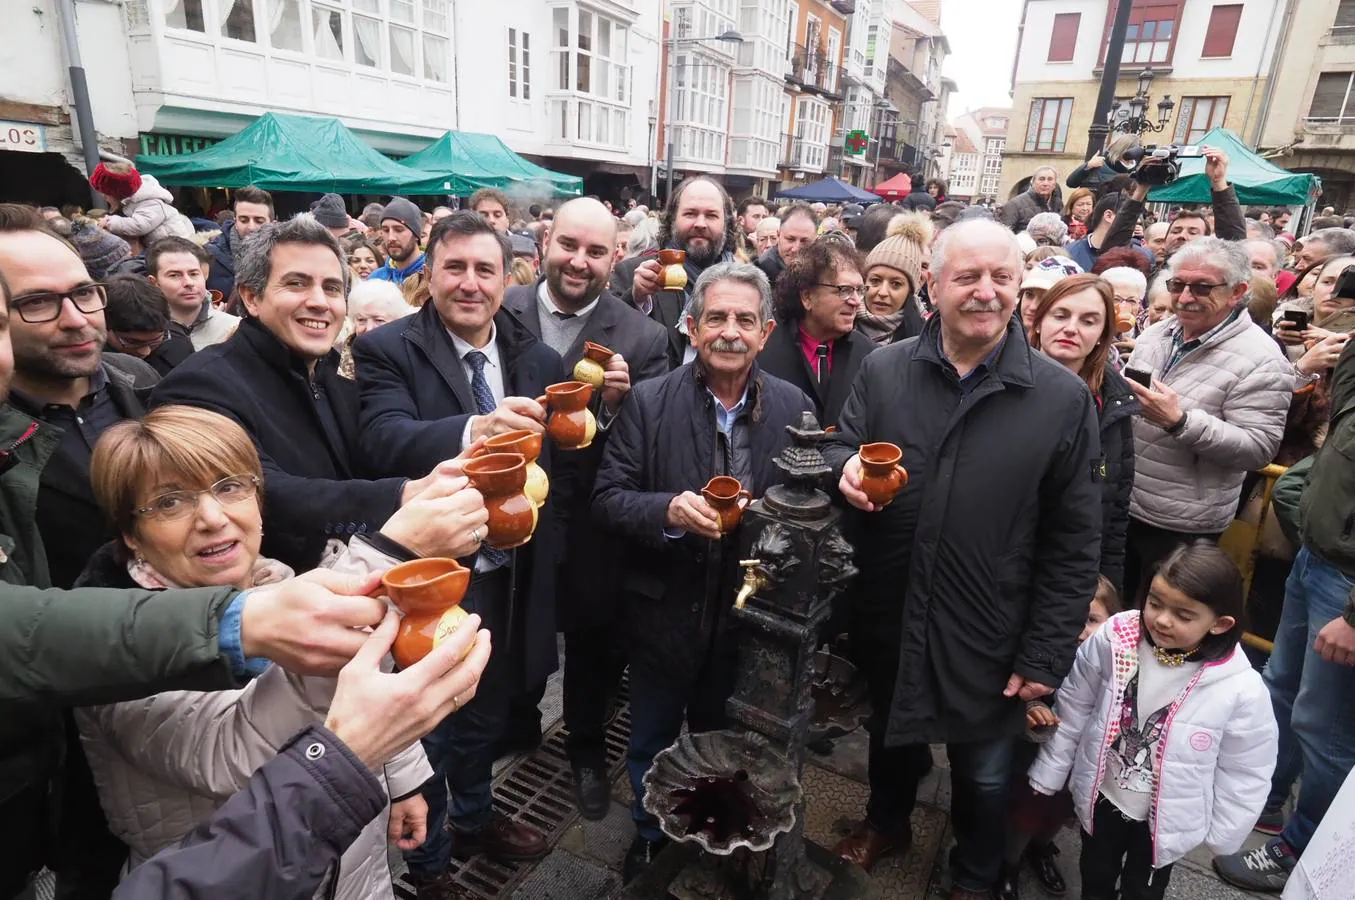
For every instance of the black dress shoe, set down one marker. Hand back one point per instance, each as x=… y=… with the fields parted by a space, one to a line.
x=640 y=856
x=1041 y=861
x=517 y=742
x=438 y=887
x=1008 y=883
x=592 y=792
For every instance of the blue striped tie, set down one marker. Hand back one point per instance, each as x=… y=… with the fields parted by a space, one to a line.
x=484 y=401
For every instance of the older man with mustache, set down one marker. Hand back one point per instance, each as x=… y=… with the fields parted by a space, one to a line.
x=719 y=415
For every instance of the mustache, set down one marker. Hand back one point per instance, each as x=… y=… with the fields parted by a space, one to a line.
x=975 y=305
x=720 y=345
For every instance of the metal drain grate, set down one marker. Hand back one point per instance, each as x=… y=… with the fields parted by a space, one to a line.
x=536 y=790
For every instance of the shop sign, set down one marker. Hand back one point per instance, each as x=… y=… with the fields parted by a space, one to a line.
x=153 y=144
x=856 y=142
x=22 y=137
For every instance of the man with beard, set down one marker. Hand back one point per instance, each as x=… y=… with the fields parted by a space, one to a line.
x=720 y=415
x=569 y=305
x=798 y=228
x=178 y=267
x=253 y=210
x=698 y=219
x=752 y=210
x=401 y=228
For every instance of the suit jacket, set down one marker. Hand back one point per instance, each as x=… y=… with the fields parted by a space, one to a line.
x=315 y=482
x=782 y=357
x=416 y=400
x=667 y=308
x=589 y=573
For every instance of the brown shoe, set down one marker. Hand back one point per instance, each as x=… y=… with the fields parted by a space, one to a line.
x=866 y=844
x=502 y=840
x=443 y=887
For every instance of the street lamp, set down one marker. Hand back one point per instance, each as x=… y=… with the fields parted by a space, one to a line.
x=1132 y=118
x=730 y=37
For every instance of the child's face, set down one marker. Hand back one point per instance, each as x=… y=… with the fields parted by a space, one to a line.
x=1177 y=622
x=1096 y=617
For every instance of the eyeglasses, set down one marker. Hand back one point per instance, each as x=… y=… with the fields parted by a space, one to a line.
x=846 y=291
x=1197 y=288
x=45 y=306
x=128 y=343
x=174 y=505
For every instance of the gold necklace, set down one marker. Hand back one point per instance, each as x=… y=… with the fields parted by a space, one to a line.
x=1172 y=658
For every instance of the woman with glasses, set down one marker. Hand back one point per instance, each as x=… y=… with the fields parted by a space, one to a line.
x=183 y=487
x=816 y=346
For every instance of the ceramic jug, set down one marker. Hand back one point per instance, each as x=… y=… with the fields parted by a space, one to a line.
x=528 y=443
x=728 y=498
x=674 y=273
x=569 y=421
x=502 y=478
x=591 y=369
x=881 y=475
x=429 y=593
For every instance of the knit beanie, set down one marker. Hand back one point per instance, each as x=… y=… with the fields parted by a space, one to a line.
x=117 y=180
x=405 y=212
x=100 y=250
x=902 y=249
x=330 y=211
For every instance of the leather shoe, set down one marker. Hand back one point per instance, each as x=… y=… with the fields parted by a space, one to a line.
x=439 y=887
x=592 y=792
x=502 y=840
x=866 y=844
x=1046 y=870
x=1009 y=883
x=640 y=857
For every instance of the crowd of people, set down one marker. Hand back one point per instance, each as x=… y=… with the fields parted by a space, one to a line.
x=214 y=442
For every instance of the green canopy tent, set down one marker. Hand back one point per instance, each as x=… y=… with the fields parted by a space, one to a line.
x=282 y=152
x=483 y=160
x=1258 y=182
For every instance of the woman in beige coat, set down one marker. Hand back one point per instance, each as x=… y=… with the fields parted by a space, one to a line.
x=183 y=486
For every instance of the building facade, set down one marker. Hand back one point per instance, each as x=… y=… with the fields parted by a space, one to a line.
x=917 y=93
x=1212 y=58
x=976 y=159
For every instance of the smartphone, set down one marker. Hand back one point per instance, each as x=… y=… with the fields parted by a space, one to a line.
x=1298 y=318
x=1142 y=377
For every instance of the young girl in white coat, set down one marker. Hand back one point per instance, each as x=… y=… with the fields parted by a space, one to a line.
x=1167 y=739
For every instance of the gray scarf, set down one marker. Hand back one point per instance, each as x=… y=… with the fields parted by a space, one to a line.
x=880 y=329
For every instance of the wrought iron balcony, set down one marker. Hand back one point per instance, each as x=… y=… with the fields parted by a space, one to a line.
x=812 y=70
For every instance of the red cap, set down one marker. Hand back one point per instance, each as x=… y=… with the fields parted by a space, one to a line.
x=119 y=181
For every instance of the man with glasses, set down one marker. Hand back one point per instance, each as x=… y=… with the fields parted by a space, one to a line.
x=1215 y=410
x=138 y=324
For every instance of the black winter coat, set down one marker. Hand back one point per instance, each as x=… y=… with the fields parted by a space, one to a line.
x=771 y=264
x=314 y=486
x=221 y=273
x=416 y=400
x=675 y=591
x=1018 y=211
x=1115 y=412
x=783 y=358
x=984 y=564
x=918 y=198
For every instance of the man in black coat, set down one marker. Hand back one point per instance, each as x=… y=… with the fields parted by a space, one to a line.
x=798 y=229
x=278 y=377
x=720 y=415
x=816 y=346
x=253 y=210
x=699 y=219
x=975 y=580
x=433 y=383
x=568 y=306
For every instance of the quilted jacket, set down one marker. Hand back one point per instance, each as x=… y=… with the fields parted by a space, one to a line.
x=149 y=215
x=1235 y=390
x=1213 y=762
x=166 y=763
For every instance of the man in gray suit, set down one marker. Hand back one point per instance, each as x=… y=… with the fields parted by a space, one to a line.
x=569 y=305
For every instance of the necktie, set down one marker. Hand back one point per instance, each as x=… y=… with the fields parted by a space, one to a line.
x=563 y=315
x=484 y=401
x=821 y=353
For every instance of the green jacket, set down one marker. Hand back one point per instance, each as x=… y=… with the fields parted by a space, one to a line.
x=25 y=447
x=1327 y=511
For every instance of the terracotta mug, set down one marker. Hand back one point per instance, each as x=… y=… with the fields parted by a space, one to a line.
x=591 y=369
x=728 y=498
x=569 y=421
x=881 y=475
x=674 y=273
x=429 y=593
x=1124 y=323
x=502 y=479
x=528 y=443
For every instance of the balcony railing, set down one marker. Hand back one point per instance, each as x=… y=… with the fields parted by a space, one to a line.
x=898 y=151
x=804 y=155
x=812 y=70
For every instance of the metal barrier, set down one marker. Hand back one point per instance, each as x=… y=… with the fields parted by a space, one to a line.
x=1240 y=541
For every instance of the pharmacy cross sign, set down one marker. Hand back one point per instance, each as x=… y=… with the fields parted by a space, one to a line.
x=856 y=142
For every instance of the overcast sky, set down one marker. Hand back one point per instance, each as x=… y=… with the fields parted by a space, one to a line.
x=982 y=36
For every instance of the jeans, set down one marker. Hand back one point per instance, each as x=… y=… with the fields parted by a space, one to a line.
x=461 y=748
x=1120 y=849
x=657 y=705
x=594 y=664
x=1314 y=699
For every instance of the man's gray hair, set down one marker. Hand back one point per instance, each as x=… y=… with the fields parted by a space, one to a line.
x=1338 y=241
x=1048 y=227
x=1230 y=258
x=255 y=265
x=941 y=249
x=743 y=273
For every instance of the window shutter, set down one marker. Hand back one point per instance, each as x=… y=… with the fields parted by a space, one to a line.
x=1063 y=37
x=1222 y=31
x=1345 y=15
x=1330 y=96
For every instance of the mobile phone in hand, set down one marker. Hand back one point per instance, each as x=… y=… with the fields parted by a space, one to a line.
x=1142 y=377
x=1297 y=319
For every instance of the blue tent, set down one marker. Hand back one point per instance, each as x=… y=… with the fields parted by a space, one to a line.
x=829 y=190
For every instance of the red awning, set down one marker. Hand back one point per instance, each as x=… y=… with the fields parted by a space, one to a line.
x=895 y=188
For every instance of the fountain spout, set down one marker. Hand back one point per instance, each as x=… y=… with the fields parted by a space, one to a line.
x=754 y=580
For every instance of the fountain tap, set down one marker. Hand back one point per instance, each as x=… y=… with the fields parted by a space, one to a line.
x=754 y=580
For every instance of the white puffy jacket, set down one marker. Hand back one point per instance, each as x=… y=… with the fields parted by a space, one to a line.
x=1214 y=760
x=149 y=215
x=165 y=763
x=1235 y=390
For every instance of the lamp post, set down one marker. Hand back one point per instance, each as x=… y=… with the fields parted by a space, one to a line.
x=1132 y=117
x=732 y=37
